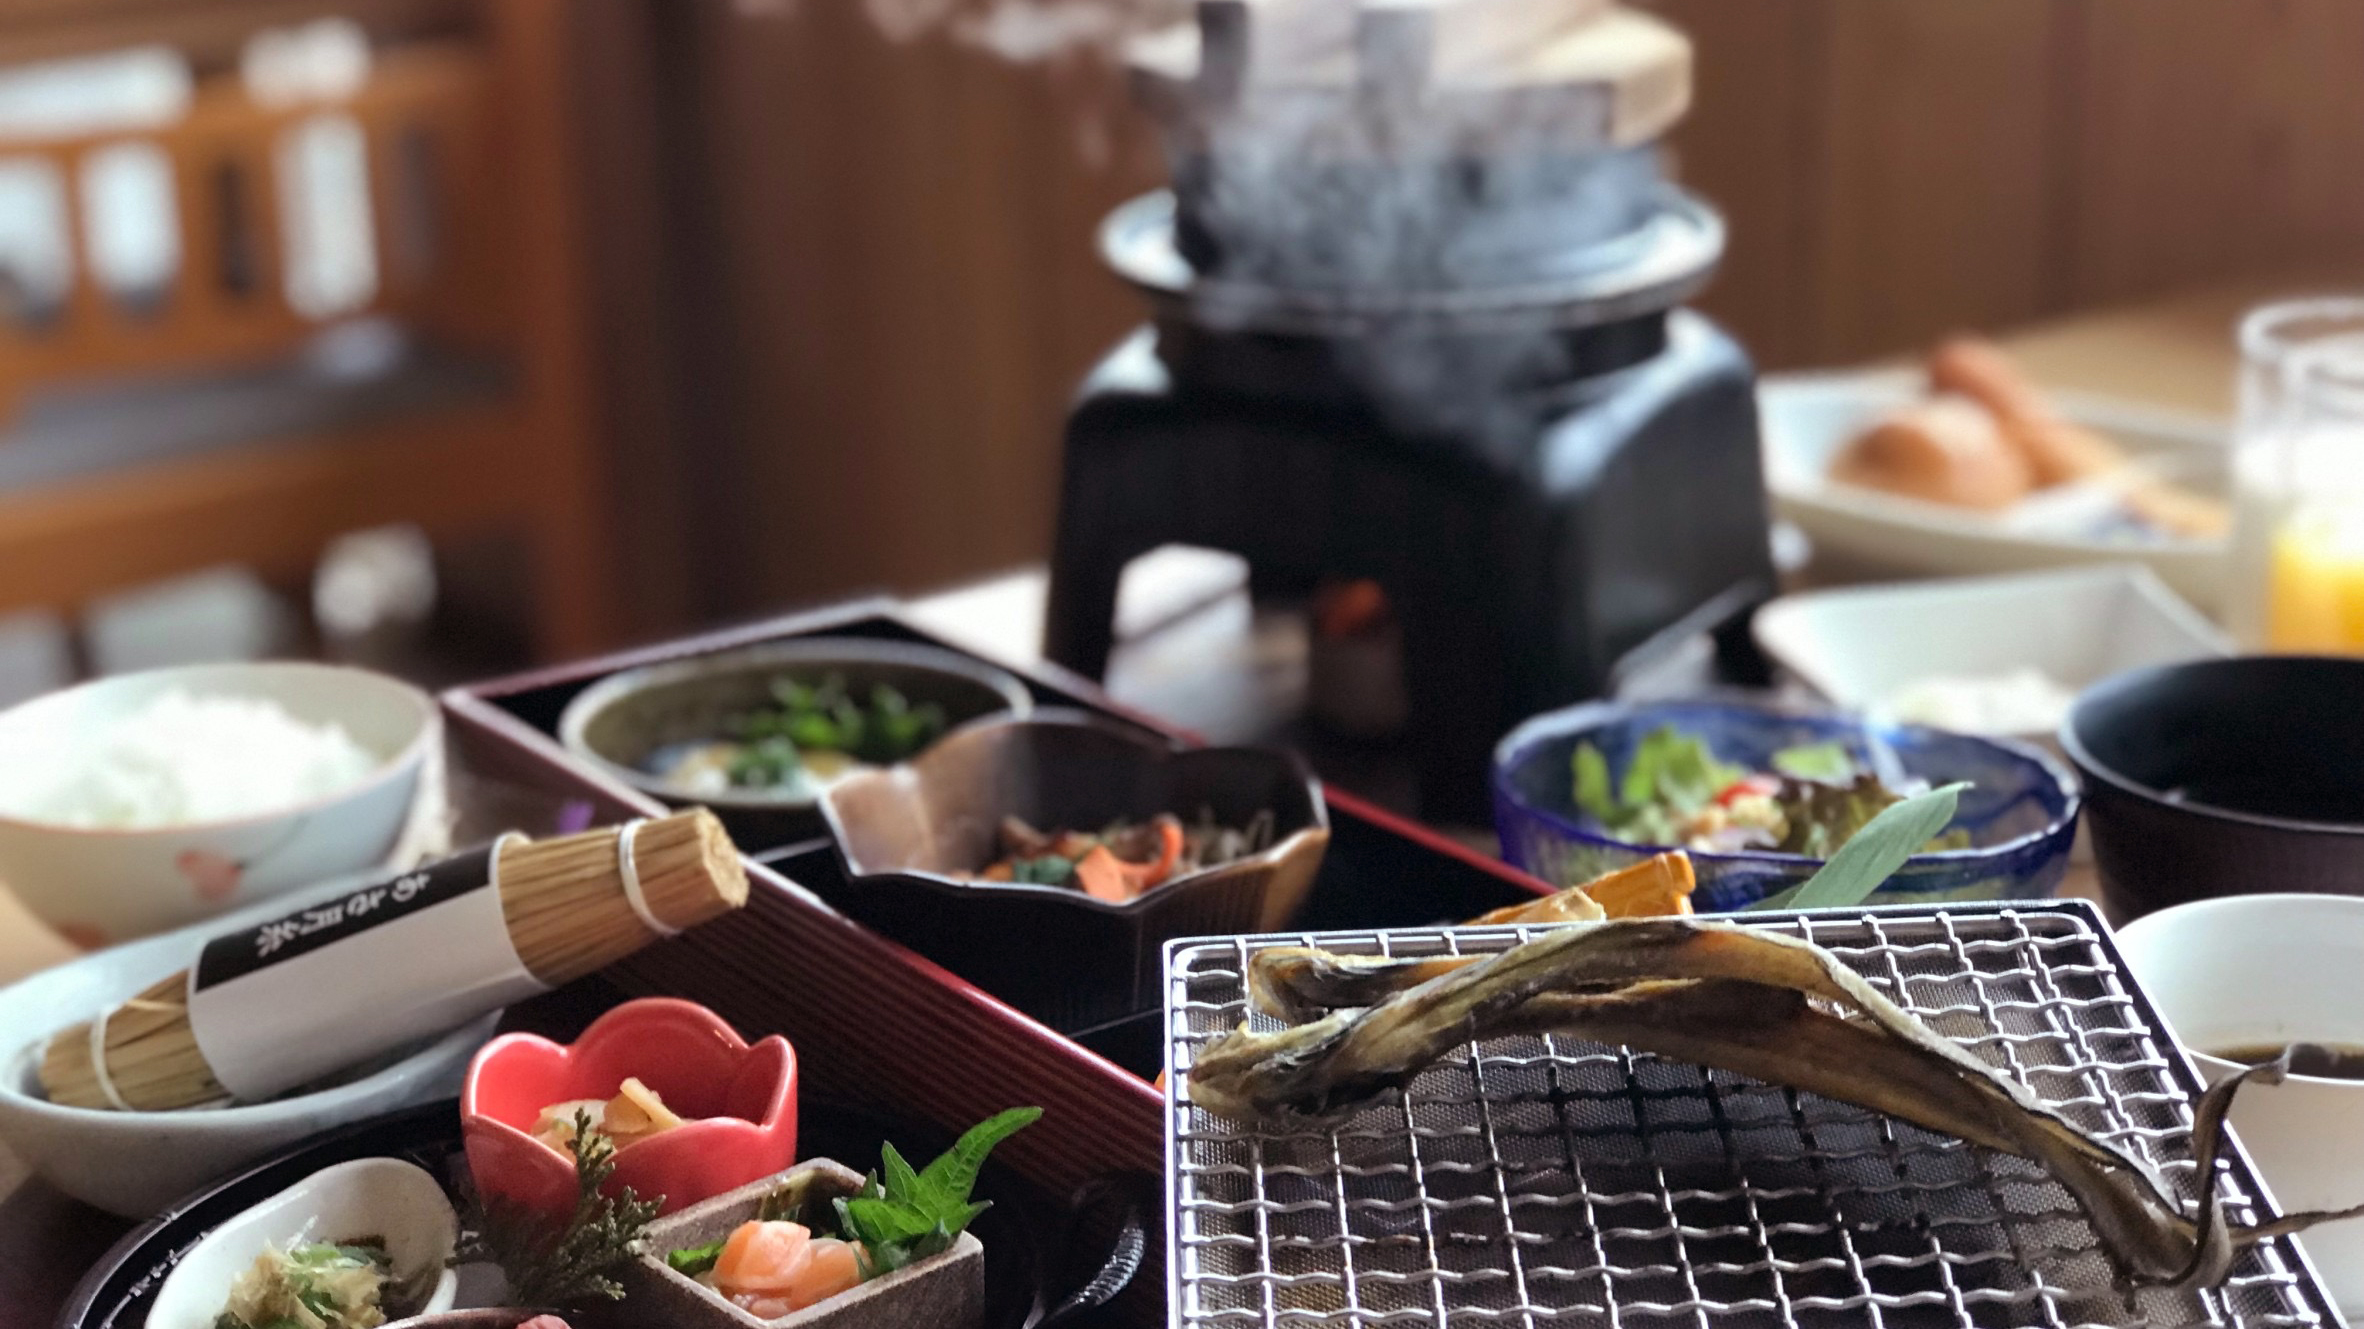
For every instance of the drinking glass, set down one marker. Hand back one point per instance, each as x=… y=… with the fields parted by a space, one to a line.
x=2298 y=480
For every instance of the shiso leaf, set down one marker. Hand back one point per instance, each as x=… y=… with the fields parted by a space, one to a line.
x=912 y=1215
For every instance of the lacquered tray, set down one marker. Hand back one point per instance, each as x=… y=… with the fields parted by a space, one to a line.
x=1380 y=871
x=874 y=1022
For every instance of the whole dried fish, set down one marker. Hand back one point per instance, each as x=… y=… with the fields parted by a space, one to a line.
x=1716 y=994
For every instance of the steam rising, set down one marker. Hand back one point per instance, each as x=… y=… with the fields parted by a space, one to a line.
x=1027 y=31
x=1423 y=176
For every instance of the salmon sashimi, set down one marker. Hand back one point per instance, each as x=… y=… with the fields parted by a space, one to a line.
x=762 y=1258
x=771 y=1269
x=830 y=1267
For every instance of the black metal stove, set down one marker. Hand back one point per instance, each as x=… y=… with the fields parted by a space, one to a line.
x=1417 y=320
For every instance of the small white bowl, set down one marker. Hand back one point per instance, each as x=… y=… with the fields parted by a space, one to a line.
x=135 y=1163
x=2252 y=970
x=97 y=887
x=397 y=1202
x=1860 y=646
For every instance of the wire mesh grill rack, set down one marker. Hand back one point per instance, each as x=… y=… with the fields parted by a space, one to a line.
x=1547 y=1181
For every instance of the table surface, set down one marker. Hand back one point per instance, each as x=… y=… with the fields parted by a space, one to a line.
x=2174 y=353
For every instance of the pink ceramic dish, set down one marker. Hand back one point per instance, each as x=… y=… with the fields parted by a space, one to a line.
x=742 y=1099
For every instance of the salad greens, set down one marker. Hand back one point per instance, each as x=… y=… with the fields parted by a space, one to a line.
x=1826 y=762
x=1675 y=792
x=316 y=1285
x=1874 y=854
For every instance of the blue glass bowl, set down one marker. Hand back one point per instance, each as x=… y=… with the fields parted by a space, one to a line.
x=2021 y=808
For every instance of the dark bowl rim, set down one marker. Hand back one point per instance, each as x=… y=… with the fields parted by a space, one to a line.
x=1586 y=716
x=1153 y=746
x=810 y=652
x=2095 y=769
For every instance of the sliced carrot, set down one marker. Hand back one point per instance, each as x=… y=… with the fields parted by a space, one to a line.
x=1169 y=853
x=1569 y=906
x=1102 y=875
x=1651 y=888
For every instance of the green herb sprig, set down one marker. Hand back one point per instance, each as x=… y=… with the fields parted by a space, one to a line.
x=562 y=1264
x=909 y=1216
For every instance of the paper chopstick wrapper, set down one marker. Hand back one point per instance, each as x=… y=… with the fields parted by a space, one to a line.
x=282 y=1003
x=389 y=964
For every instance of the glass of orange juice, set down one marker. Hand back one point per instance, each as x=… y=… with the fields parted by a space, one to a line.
x=2298 y=480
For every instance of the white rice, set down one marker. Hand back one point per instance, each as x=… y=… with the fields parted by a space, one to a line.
x=184 y=759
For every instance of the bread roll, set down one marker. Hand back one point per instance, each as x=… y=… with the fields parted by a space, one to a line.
x=1946 y=450
x=2057 y=452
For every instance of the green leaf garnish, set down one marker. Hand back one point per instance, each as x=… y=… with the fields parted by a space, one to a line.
x=692 y=1261
x=1872 y=855
x=910 y=1216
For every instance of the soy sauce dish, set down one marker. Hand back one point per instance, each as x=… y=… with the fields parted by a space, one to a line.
x=2224 y=777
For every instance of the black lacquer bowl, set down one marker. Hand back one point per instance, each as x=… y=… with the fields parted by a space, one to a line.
x=2223 y=777
x=909 y=836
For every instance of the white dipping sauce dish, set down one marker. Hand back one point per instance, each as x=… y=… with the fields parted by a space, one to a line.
x=2252 y=970
x=396 y=1202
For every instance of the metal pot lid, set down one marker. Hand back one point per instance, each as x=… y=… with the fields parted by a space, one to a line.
x=1660 y=264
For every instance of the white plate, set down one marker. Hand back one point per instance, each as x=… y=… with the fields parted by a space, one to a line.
x=1860 y=646
x=1809 y=418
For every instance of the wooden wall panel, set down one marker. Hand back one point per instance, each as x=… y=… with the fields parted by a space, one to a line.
x=1750 y=145
x=209 y=32
x=911 y=290
x=2214 y=139
x=1935 y=124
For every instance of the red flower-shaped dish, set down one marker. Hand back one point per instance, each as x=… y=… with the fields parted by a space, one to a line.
x=740 y=1099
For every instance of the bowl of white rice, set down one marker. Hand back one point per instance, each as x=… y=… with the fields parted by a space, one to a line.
x=141 y=802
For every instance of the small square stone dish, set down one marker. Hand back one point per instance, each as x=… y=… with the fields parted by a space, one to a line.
x=946 y=1290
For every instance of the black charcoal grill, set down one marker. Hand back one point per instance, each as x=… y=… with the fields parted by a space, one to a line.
x=1538 y=1181
x=1417 y=300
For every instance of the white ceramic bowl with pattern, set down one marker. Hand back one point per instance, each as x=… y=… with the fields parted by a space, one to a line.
x=98 y=887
